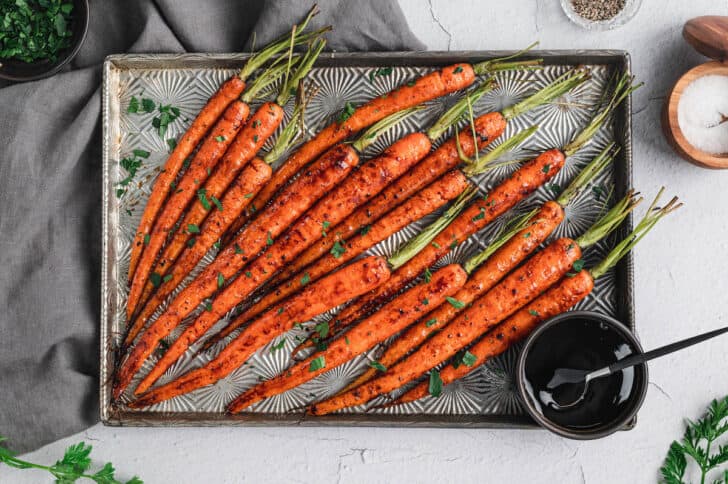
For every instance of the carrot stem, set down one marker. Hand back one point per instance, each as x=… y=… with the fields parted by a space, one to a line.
x=269 y=77
x=290 y=86
x=255 y=61
x=415 y=245
x=563 y=84
x=476 y=167
x=371 y=135
x=622 y=89
x=504 y=235
x=456 y=112
x=610 y=220
x=650 y=219
x=293 y=131
x=499 y=64
x=587 y=174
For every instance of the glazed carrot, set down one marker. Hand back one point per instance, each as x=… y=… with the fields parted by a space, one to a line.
x=425 y=88
x=502 y=255
x=220 y=137
x=395 y=316
x=317 y=298
x=523 y=182
x=558 y=299
x=488 y=127
x=356 y=189
x=237 y=197
x=519 y=288
x=247 y=143
x=427 y=201
x=230 y=90
x=327 y=172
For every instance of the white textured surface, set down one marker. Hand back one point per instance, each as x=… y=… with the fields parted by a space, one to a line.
x=681 y=287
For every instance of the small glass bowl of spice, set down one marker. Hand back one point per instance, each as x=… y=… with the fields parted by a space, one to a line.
x=600 y=14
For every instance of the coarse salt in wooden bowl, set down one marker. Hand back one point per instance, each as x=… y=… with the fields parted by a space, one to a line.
x=709 y=36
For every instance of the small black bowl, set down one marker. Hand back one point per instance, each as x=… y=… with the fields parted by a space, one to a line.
x=587 y=341
x=15 y=70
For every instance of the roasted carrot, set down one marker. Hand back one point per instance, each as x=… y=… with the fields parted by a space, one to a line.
x=220 y=137
x=317 y=298
x=392 y=318
x=327 y=172
x=558 y=299
x=230 y=90
x=523 y=182
x=356 y=189
x=501 y=256
x=427 y=201
x=238 y=196
x=425 y=88
x=516 y=290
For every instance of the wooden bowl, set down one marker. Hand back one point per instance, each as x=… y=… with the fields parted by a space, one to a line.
x=671 y=126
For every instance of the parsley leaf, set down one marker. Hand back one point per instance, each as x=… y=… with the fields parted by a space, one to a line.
x=317 y=363
x=133 y=105
x=268 y=239
x=305 y=279
x=220 y=280
x=202 y=196
x=430 y=322
x=278 y=345
x=337 y=250
x=427 y=274
x=455 y=303
x=217 y=203
x=435 y=386
x=193 y=229
x=365 y=230
x=375 y=364
x=346 y=112
x=382 y=71
x=155 y=278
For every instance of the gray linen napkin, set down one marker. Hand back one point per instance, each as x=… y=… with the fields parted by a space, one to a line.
x=50 y=189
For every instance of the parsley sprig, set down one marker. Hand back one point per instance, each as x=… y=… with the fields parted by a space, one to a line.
x=707 y=430
x=74 y=465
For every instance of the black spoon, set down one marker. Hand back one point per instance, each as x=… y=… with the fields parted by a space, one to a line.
x=570 y=376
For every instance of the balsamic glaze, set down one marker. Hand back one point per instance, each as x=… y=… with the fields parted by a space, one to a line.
x=585 y=345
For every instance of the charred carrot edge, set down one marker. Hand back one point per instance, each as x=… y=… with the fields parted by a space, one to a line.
x=298 y=197
x=237 y=197
x=516 y=290
x=261 y=125
x=392 y=318
x=317 y=298
x=332 y=208
x=213 y=109
x=212 y=149
x=428 y=200
x=558 y=299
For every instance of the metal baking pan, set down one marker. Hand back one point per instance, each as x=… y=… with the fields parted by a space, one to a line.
x=487 y=397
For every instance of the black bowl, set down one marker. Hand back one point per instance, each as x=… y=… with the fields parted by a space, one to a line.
x=581 y=339
x=15 y=70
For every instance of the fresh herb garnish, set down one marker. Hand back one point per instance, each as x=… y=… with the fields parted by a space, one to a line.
x=708 y=429
x=324 y=226
x=337 y=250
x=436 y=245
x=217 y=202
x=365 y=230
x=464 y=358
x=382 y=71
x=435 y=387
x=172 y=143
x=220 y=138
x=268 y=239
x=527 y=235
x=553 y=188
x=546 y=168
x=167 y=278
x=73 y=466
x=167 y=115
x=220 y=280
x=238 y=250
x=208 y=306
x=533 y=312
x=33 y=30
x=455 y=303
x=278 y=345
x=458 y=70
x=346 y=112
x=322 y=329
x=430 y=322
x=248 y=274
x=191 y=242
x=147 y=238
x=193 y=229
x=133 y=105
x=480 y=216
x=305 y=279
x=378 y=366
x=148 y=105
x=427 y=274
x=280 y=311
x=202 y=196
x=317 y=363
x=248 y=195
x=155 y=278
x=425 y=301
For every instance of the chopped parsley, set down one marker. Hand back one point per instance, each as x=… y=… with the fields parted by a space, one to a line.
x=346 y=340
x=435 y=386
x=148 y=105
x=382 y=71
x=147 y=237
x=238 y=250
x=167 y=115
x=193 y=229
x=325 y=225
x=280 y=311
x=455 y=303
x=430 y=322
x=141 y=153
x=35 y=30
x=268 y=239
x=322 y=329
x=553 y=188
x=191 y=242
x=546 y=168
x=378 y=366
x=458 y=70
x=217 y=202
x=527 y=235
x=480 y=216
x=248 y=195
x=425 y=301
x=155 y=279
x=346 y=113
x=365 y=230
x=255 y=138
x=202 y=196
x=337 y=250
x=436 y=245
x=317 y=363
x=248 y=274
x=172 y=143
x=533 y=312
x=305 y=279
x=278 y=345
x=220 y=280
x=208 y=306
x=167 y=278
x=427 y=274
x=464 y=358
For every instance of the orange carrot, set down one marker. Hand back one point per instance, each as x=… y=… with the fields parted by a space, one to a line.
x=238 y=196
x=488 y=127
x=204 y=161
x=395 y=316
x=502 y=198
x=560 y=298
x=317 y=298
x=230 y=90
x=500 y=263
x=320 y=177
x=515 y=291
x=247 y=143
x=426 y=201
x=353 y=191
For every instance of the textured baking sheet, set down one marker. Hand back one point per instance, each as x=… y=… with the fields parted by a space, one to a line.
x=485 y=398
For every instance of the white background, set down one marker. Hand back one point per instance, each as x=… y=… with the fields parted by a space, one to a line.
x=681 y=282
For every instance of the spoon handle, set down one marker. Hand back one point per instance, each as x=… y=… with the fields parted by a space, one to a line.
x=664 y=350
